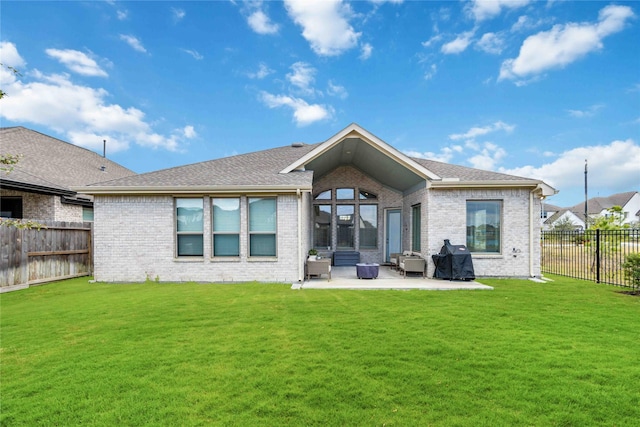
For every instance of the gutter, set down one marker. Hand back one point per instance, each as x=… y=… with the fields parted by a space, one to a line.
x=300 y=261
x=531 y=232
x=194 y=189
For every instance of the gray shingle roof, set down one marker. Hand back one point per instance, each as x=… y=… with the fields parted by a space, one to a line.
x=260 y=168
x=596 y=205
x=52 y=164
x=464 y=173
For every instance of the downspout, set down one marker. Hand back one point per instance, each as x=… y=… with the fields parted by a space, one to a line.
x=300 y=261
x=531 y=250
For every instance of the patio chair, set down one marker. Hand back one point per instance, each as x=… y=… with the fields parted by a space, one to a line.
x=318 y=268
x=394 y=260
x=413 y=265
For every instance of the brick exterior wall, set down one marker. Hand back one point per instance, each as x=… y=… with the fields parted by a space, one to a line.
x=43 y=207
x=349 y=177
x=135 y=241
x=135 y=235
x=447 y=220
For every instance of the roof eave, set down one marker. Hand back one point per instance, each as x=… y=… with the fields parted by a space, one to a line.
x=193 y=189
x=544 y=189
x=33 y=188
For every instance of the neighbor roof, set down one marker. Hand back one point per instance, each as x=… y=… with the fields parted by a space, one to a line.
x=596 y=205
x=51 y=166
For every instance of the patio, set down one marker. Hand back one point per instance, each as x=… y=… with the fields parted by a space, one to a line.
x=346 y=278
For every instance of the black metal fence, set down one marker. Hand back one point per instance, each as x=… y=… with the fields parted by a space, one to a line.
x=596 y=255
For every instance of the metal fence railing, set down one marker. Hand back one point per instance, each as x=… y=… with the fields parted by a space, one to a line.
x=595 y=255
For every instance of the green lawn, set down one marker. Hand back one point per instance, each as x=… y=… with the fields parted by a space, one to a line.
x=564 y=353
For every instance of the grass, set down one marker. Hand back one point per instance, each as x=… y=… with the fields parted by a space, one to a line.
x=564 y=353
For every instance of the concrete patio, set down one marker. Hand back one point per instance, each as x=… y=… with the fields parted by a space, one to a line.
x=346 y=278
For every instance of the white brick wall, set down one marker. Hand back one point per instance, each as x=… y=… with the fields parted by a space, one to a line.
x=135 y=241
x=349 y=177
x=447 y=220
x=135 y=235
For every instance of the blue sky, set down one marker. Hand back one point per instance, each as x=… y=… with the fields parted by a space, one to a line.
x=521 y=87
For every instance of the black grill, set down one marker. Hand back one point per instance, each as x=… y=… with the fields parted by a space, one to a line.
x=453 y=263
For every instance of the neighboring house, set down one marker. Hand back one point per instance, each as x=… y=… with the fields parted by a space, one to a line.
x=39 y=186
x=599 y=206
x=548 y=210
x=255 y=216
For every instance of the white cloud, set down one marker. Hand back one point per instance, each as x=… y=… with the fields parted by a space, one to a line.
x=261 y=24
x=263 y=71
x=613 y=168
x=486 y=9
x=188 y=132
x=445 y=155
x=133 y=42
x=9 y=55
x=178 y=14
x=589 y=112
x=366 y=50
x=489 y=155
x=77 y=62
x=303 y=113
x=325 y=25
x=337 y=90
x=431 y=73
x=122 y=14
x=196 y=55
x=564 y=44
x=459 y=44
x=302 y=77
x=491 y=43
x=81 y=113
x=432 y=40
x=479 y=131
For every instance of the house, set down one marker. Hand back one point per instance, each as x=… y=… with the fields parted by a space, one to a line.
x=39 y=186
x=599 y=207
x=255 y=216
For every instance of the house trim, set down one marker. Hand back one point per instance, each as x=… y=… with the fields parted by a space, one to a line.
x=195 y=190
x=355 y=131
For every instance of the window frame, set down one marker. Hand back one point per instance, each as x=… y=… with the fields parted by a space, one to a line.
x=315 y=225
x=215 y=233
x=181 y=233
x=416 y=227
x=251 y=233
x=471 y=240
x=362 y=229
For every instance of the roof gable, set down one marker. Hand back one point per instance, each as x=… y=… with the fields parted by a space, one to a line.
x=351 y=137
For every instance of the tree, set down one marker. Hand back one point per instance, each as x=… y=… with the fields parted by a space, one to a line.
x=614 y=220
x=564 y=224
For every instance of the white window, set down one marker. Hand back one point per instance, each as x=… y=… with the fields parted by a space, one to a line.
x=189 y=227
x=262 y=226
x=226 y=226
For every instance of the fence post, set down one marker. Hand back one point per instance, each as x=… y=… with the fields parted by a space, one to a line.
x=597 y=255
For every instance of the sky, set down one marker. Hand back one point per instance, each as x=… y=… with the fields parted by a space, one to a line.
x=529 y=88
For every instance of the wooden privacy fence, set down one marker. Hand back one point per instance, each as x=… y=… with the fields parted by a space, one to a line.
x=59 y=250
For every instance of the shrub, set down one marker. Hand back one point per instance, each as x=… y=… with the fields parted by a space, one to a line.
x=631 y=267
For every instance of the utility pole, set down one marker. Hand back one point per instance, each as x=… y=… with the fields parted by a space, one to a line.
x=586 y=211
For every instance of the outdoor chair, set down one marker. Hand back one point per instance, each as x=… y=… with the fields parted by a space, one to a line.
x=413 y=265
x=394 y=260
x=318 y=268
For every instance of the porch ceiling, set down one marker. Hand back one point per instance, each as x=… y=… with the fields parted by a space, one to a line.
x=358 y=153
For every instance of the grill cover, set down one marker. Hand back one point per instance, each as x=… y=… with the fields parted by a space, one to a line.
x=453 y=262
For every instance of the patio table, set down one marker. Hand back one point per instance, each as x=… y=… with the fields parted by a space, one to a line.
x=367 y=270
